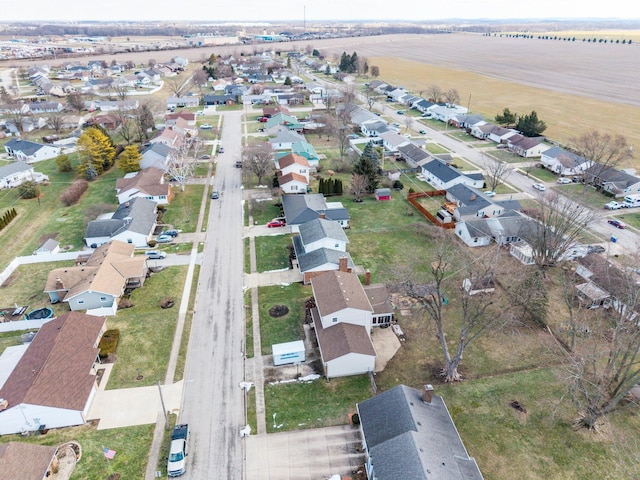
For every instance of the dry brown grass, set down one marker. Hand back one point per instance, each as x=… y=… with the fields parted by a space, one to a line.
x=566 y=115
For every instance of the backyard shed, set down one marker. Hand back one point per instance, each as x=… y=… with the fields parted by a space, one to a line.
x=288 y=353
x=383 y=194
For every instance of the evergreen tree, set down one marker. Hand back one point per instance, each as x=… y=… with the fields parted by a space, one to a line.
x=507 y=118
x=530 y=125
x=353 y=67
x=345 y=62
x=129 y=159
x=96 y=149
x=287 y=81
x=63 y=163
x=369 y=166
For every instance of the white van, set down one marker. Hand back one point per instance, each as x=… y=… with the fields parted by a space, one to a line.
x=632 y=200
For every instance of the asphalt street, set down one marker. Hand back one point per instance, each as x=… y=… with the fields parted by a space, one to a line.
x=213 y=403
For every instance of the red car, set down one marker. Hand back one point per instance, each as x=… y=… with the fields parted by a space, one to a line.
x=276 y=223
x=262 y=119
x=617 y=223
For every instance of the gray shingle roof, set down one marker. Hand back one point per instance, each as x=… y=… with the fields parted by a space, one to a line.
x=25 y=146
x=321 y=228
x=299 y=209
x=322 y=256
x=408 y=438
x=13 y=168
x=442 y=171
x=137 y=215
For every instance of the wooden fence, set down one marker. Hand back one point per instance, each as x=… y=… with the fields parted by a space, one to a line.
x=412 y=198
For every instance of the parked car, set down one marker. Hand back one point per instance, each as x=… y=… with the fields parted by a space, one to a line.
x=564 y=180
x=215 y=195
x=155 y=255
x=353 y=136
x=164 y=239
x=206 y=126
x=400 y=112
x=422 y=132
x=614 y=206
x=220 y=150
x=176 y=463
x=205 y=157
x=617 y=223
x=171 y=233
x=395 y=124
x=262 y=119
x=490 y=193
x=539 y=186
x=275 y=223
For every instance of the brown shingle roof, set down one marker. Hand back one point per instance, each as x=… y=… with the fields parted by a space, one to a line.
x=335 y=291
x=292 y=177
x=55 y=369
x=142 y=180
x=14 y=464
x=292 y=159
x=379 y=298
x=341 y=339
x=106 y=271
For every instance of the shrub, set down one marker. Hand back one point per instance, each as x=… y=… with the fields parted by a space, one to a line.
x=64 y=164
x=398 y=185
x=72 y=194
x=27 y=190
x=109 y=342
x=152 y=243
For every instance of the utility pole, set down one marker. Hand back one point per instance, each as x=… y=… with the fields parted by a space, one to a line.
x=164 y=409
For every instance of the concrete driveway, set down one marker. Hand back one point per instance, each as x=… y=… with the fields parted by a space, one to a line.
x=304 y=454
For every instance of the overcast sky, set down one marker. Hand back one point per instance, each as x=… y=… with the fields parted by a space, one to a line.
x=264 y=10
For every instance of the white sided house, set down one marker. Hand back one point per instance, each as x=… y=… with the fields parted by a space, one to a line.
x=31 y=152
x=442 y=176
x=343 y=319
x=14 y=174
x=148 y=183
x=54 y=382
x=563 y=162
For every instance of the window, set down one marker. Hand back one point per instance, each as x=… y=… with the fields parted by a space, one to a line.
x=334 y=319
x=80 y=302
x=103 y=299
x=129 y=240
x=335 y=246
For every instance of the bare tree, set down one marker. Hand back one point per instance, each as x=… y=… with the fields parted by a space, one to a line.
x=258 y=159
x=474 y=303
x=605 y=362
x=175 y=85
x=559 y=223
x=359 y=185
x=55 y=121
x=375 y=71
x=371 y=98
x=434 y=92
x=451 y=96
x=497 y=171
x=199 y=78
x=408 y=121
x=603 y=151
x=127 y=126
x=143 y=118
x=180 y=168
x=120 y=90
x=75 y=101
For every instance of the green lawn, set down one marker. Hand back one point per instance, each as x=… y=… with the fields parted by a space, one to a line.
x=182 y=212
x=248 y=325
x=272 y=252
x=315 y=404
x=146 y=330
x=543 y=174
x=590 y=196
x=287 y=328
x=629 y=217
x=263 y=212
x=436 y=148
x=506 y=156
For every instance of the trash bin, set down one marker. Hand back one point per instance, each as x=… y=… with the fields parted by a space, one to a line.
x=614 y=239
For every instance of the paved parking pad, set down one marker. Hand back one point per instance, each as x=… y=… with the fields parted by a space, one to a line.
x=315 y=454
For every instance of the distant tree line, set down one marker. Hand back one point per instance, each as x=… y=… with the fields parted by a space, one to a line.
x=557 y=37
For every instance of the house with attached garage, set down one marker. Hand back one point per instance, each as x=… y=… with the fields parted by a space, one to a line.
x=471 y=202
x=490 y=131
x=617 y=182
x=342 y=320
x=563 y=162
x=467 y=121
x=192 y=101
x=98 y=282
x=16 y=173
x=31 y=152
x=448 y=112
x=374 y=128
x=527 y=147
x=505 y=229
x=147 y=183
x=321 y=246
x=392 y=140
x=299 y=209
x=133 y=222
x=54 y=382
x=409 y=434
x=442 y=176
x=413 y=155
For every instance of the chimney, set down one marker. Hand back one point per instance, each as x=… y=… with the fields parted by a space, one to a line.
x=427 y=393
x=59 y=284
x=343 y=265
x=322 y=215
x=367 y=277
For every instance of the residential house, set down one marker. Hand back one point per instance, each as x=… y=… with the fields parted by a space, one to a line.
x=117 y=105
x=148 y=183
x=15 y=173
x=220 y=99
x=473 y=203
x=99 y=282
x=342 y=319
x=293 y=163
x=408 y=433
x=133 y=222
x=413 y=155
x=446 y=113
x=392 y=140
x=37 y=108
x=292 y=183
x=284 y=138
x=288 y=121
x=563 y=162
x=306 y=150
x=424 y=106
x=617 y=182
x=467 y=121
x=106 y=121
x=492 y=132
x=269 y=112
x=157 y=155
x=505 y=229
x=180 y=102
x=380 y=301
x=321 y=246
x=30 y=152
x=442 y=176
x=42 y=461
x=37 y=394
x=168 y=136
x=299 y=209
x=374 y=127
x=171 y=119
x=527 y=147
